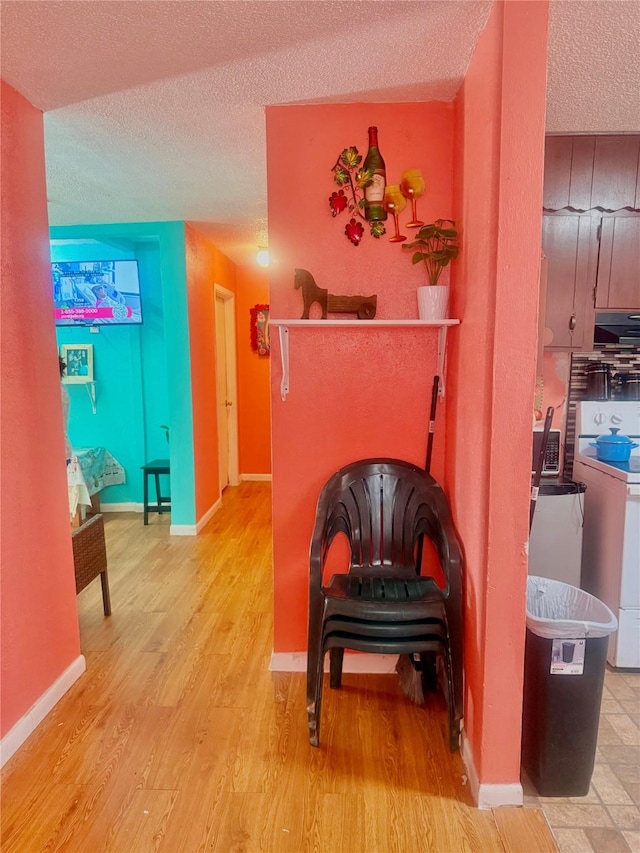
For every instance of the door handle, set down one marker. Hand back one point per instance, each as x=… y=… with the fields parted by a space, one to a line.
x=228 y=403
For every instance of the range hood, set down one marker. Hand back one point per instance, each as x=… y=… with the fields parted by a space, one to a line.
x=617 y=327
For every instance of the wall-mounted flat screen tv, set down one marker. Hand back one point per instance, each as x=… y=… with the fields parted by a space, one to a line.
x=87 y=293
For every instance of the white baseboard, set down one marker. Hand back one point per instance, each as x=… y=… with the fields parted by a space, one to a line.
x=489 y=796
x=174 y=529
x=259 y=478
x=183 y=530
x=125 y=506
x=208 y=514
x=28 y=723
x=363 y=663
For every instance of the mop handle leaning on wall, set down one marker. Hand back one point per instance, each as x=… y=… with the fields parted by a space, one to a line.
x=427 y=467
x=535 y=485
x=432 y=422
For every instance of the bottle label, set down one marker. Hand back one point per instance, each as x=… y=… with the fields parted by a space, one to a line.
x=375 y=191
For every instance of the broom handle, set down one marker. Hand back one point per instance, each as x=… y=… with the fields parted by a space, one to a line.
x=427 y=467
x=539 y=465
x=432 y=422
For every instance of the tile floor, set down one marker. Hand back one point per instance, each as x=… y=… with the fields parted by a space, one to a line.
x=607 y=820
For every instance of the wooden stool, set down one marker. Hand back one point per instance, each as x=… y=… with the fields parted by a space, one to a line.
x=157 y=467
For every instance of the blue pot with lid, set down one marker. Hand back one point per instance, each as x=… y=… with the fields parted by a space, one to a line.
x=613 y=447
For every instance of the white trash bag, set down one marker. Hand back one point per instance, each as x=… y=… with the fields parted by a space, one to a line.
x=558 y=610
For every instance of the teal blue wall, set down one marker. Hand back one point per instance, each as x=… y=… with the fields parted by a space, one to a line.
x=142 y=373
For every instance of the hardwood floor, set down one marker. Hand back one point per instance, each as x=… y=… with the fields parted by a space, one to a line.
x=178 y=738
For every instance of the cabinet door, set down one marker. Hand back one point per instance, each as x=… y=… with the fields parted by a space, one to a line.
x=615 y=171
x=568 y=172
x=569 y=244
x=619 y=262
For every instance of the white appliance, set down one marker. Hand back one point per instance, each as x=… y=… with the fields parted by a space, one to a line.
x=611 y=540
x=555 y=541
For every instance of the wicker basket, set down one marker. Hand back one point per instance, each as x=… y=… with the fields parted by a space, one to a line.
x=90 y=557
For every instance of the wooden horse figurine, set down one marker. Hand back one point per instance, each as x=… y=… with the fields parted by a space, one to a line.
x=363 y=306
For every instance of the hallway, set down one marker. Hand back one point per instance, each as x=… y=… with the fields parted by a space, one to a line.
x=178 y=738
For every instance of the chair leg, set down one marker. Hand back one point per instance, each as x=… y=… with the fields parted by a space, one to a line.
x=145 y=497
x=106 y=598
x=428 y=667
x=336 y=657
x=315 y=665
x=314 y=709
x=452 y=701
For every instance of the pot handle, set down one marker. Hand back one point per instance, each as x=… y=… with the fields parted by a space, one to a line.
x=592 y=444
x=634 y=444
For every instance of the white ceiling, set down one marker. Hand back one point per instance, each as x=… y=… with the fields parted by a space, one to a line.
x=155 y=110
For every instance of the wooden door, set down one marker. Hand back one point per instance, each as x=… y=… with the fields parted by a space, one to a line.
x=222 y=394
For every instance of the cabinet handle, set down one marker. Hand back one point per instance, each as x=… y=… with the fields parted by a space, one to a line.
x=572 y=323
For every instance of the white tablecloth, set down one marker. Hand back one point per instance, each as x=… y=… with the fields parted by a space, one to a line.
x=89 y=470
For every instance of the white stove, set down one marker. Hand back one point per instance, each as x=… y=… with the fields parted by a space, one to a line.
x=611 y=539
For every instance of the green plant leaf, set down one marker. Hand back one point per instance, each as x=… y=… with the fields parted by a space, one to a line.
x=341 y=176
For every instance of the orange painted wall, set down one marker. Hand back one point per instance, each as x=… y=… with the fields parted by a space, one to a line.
x=354 y=392
x=499 y=162
x=254 y=389
x=205 y=266
x=39 y=633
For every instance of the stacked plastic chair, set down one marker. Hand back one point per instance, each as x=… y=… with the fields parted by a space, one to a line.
x=382 y=604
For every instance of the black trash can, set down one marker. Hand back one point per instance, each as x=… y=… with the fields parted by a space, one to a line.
x=565 y=657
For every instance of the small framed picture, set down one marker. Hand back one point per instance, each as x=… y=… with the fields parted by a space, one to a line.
x=79 y=361
x=260 y=339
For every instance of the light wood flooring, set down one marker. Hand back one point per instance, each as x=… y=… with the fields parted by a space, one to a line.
x=178 y=739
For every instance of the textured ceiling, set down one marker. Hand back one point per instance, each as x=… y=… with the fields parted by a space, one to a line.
x=155 y=110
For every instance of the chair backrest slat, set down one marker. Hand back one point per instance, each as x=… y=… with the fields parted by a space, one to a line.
x=383 y=506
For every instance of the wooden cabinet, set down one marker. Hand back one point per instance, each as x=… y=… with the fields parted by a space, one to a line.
x=585 y=172
x=618 y=275
x=569 y=242
x=590 y=233
x=568 y=172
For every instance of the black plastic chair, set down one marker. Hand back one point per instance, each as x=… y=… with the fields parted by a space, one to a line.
x=382 y=604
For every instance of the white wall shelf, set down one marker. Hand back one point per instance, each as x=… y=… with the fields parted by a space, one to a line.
x=284 y=326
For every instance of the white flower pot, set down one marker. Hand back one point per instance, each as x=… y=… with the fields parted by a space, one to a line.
x=433 y=302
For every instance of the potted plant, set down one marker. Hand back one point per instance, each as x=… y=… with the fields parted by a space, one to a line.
x=437 y=244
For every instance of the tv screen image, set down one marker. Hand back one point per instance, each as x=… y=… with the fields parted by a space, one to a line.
x=96 y=292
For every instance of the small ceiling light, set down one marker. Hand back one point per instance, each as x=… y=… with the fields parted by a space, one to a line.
x=262 y=257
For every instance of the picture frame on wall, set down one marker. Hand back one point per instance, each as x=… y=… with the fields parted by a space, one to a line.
x=79 y=361
x=260 y=338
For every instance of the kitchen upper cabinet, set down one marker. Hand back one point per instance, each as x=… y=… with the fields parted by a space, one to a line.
x=568 y=172
x=569 y=243
x=615 y=172
x=618 y=277
x=584 y=172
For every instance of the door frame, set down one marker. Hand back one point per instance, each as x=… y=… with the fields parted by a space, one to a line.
x=229 y=308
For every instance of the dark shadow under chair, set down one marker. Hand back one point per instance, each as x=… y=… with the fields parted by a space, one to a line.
x=90 y=557
x=382 y=604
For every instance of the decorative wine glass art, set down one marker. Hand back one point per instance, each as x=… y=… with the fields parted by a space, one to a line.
x=412 y=187
x=394 y=202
